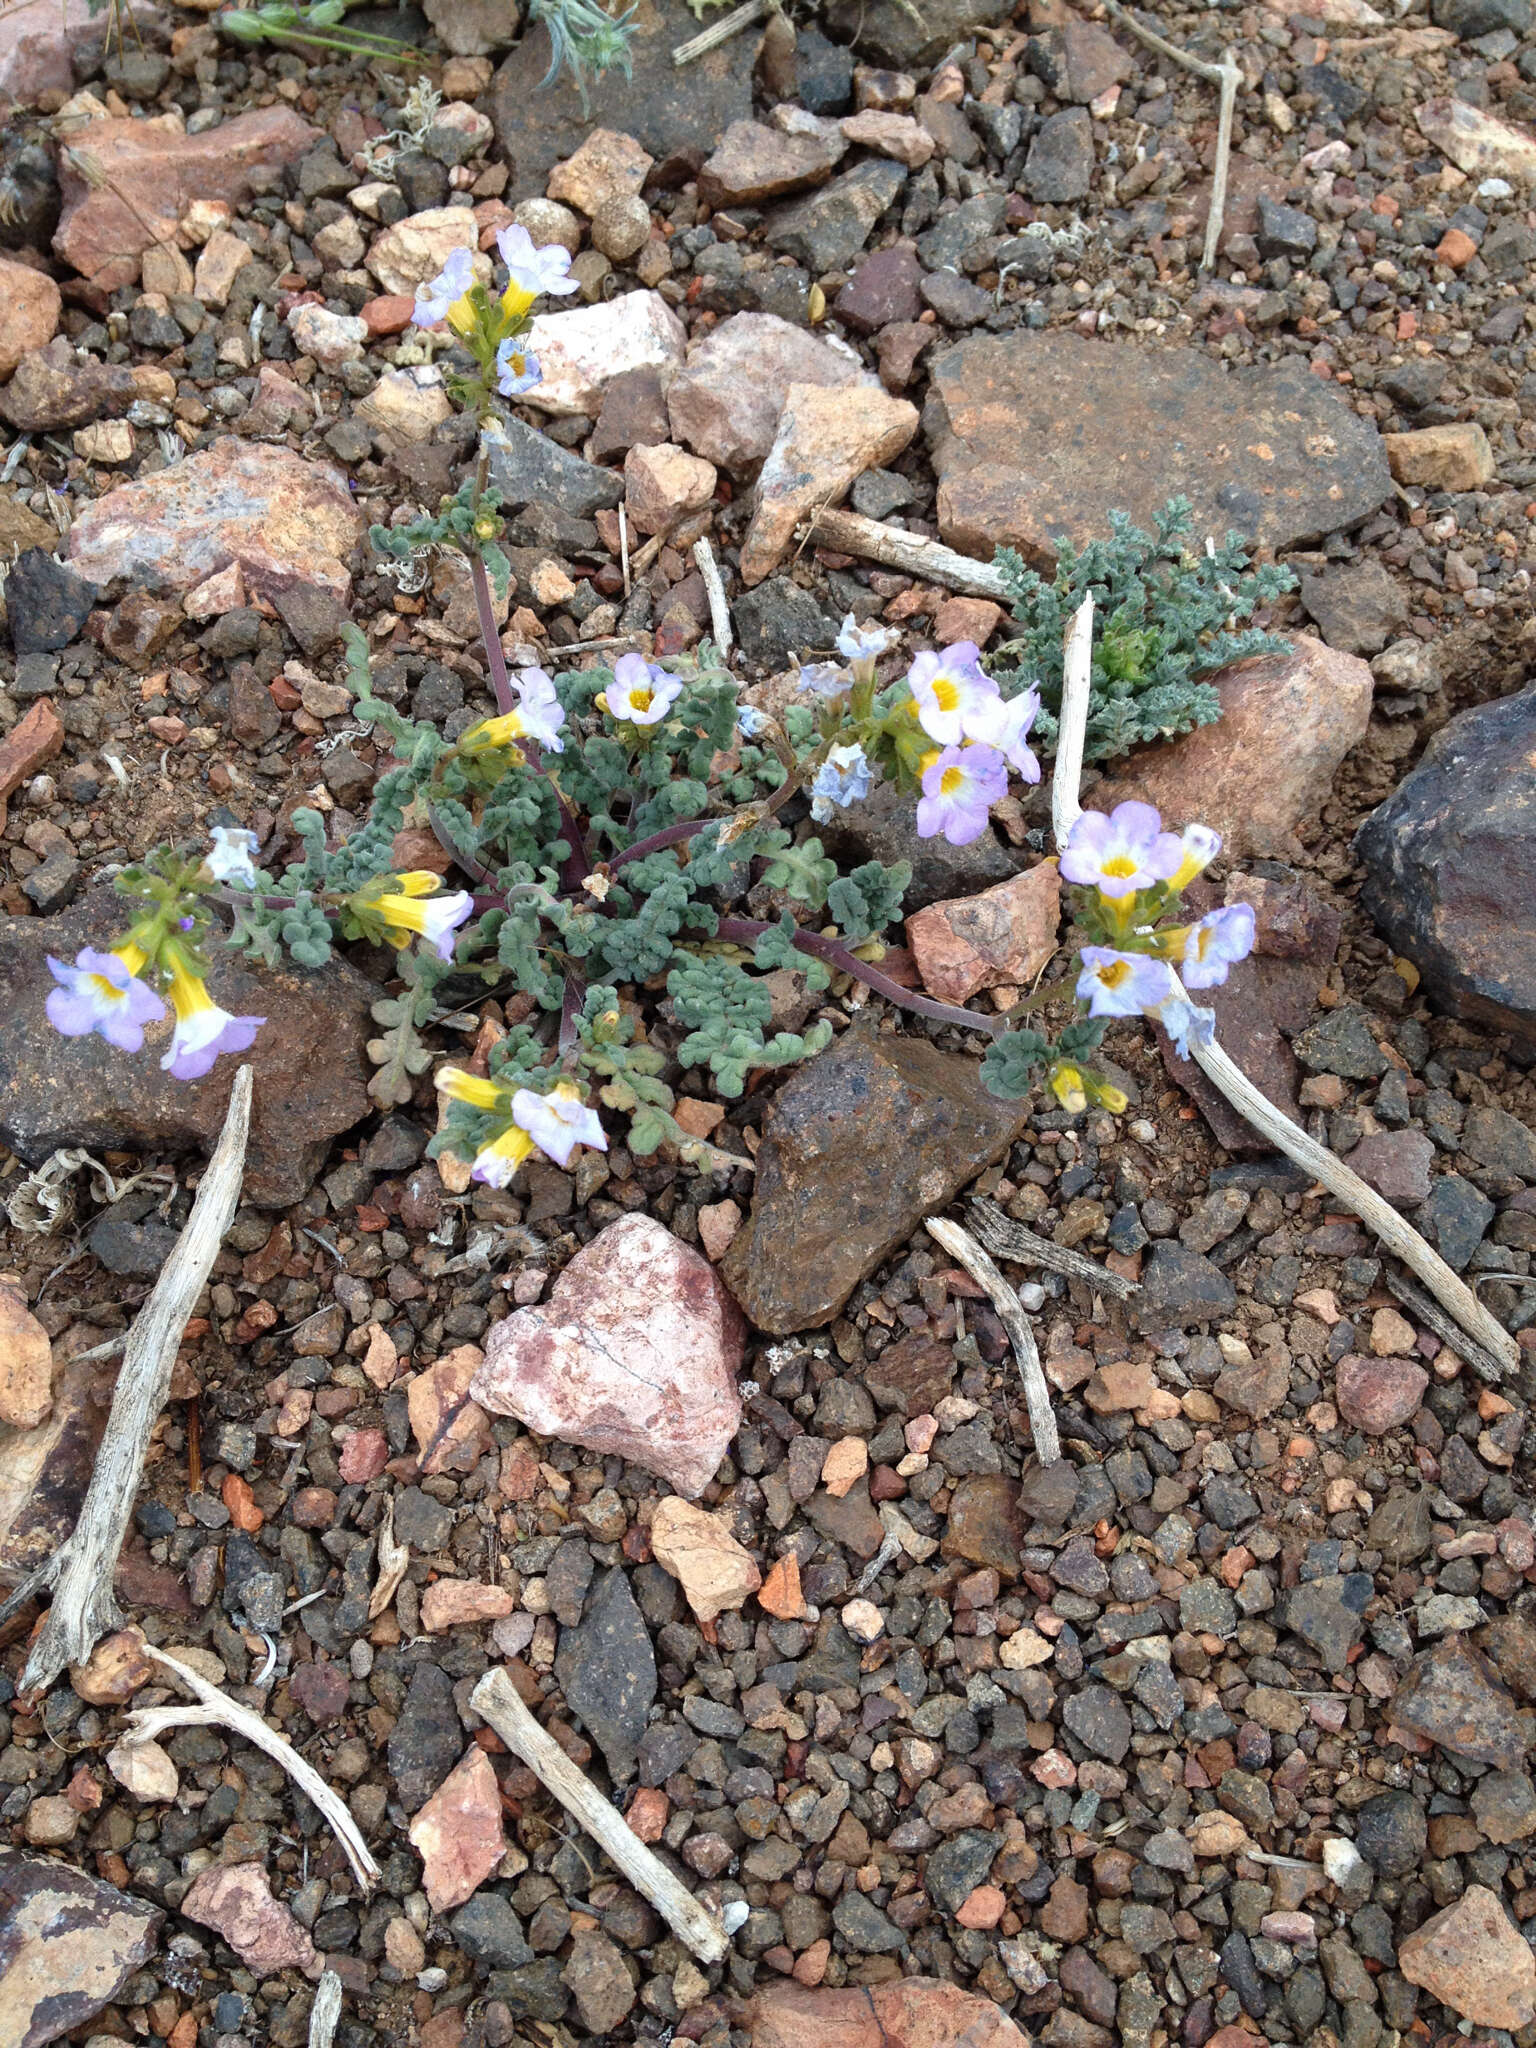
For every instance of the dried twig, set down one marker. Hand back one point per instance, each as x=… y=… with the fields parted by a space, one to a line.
x=894 y=548
x=714 y=590
x=1487 y=1364
x=1006 y=1239
x=1346 y=1186
x=1076 y=687
x=720 y=32
x=81 y=1569
x=1037 y=1394
x=1228 y=78
x=394 y=1558
x=496 y=1698
x=325 y=2011
x=217 y=1710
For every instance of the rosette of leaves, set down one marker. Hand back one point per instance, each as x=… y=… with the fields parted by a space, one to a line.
x=1166 y=615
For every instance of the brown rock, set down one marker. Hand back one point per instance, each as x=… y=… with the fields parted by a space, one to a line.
x=662 y=485
x=780 y=1593
x=892 y=135
x=635 y=1353
x=236 y=1901
x=703 y=1556
x=1287 y=721
x=26 y=1364
x=1396 y=1164
x=1455 y=457
x=752 y=163
x=921 y=1368
x=42 y=40
x=985 y=1526
x=450 y=1603
x=607 y=165
x=1378 y=1394
x=1081 y=60
x=863 y=1142
x=1038 y=436
x=69 y=1945
x=599 y=1982
x=1451 y=1696
x=1003 y=937
x=904 y=2012
x=825 y=440
x=310 y=1075
x=118 y=1667
x=144 y=175
x=53 y=387
x=29 y=743
x=32 y=308
x=458 y=1833
x=1477 y=142
x=283 y=519
x=452 y=1431
x=726 y=402
x=884 y=289
x=1474 y=1959
x=966 y=618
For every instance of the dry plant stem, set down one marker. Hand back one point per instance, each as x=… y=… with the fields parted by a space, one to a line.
x=325 y=2011
x=1227 y=76
x=852 y=534
x=81 y=1569
x=714 y=589
x=1037 y=1394
x=1006 y=1239
x=1076 y=685
x=1346 y=1186
x=217 y=1710
x=720 y=32
x=1483 y=1361
x=496 y=1698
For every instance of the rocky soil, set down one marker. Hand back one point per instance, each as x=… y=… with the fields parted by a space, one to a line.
x=1221 y=1730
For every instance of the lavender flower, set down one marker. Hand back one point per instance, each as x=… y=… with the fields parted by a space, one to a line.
x=229 y=859
x=436 y=299
x=842 y=779
x=518 y=371
x=750 y=722
x=203 y=1028
x=1121 y=853
x=1003 y=724
x=1122 y=984
x=1201 y=846
x=533 y=271
x=826 y=680
x=639 y=693
x=864 y=643
x=559 y=1121
x=959 y=789
x=1216 y=943
x=949 y=690
x=1186 y=1024
x=102 y=992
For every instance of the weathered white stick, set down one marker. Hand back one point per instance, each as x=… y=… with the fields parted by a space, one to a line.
x=81 y=1569
x=218 y=1710
x=714 y=590
x=1037 y=1394
x=719 y=32
x=894 y=548
x=325 y=2011
x=1228 y=77
x=1077 y=676
x=1346 y=1186
x=1006 y=1239
x=496 y=1698
x=1341 y=1181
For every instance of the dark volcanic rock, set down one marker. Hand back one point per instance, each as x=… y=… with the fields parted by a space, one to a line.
x=828 y=228
x=607 y=1671
x=663 y=108
x=67 y=1946
x=426 y=1742
x=310 y=1076
x=1038 y=436
x=1392 y=1833
x=47 y=604
x=1447 y=860
x=884 y=828
x=526 y=466
x=907 y=37
x=866 y=1140
x=1329 y=1614
x=1451 y=1696
x=1181 y=1286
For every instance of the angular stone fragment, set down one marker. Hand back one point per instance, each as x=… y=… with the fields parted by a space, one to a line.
x=452 y=1431
x=663 y=485
x=1474 y=1959
x=582 y=349
x=866 y=1139
x=825 y=440
x=1477 y=142
x=458 y=1833
x=607 y=1671
x=635 y=1353
x=26 y=1364
x=1287 y=721
x=283 y=519
x=1451 y=1696
x=236 y=1901
x=32 y=308
x=828 y=229
x=902 y=2012
x=753 y=163
x=703 y=1556
x=1454 y=457
x=1378 y=1394
x=1447 y=866
x=726 y=402
x=1002 y=937
x=1038 y=436
x=415 y=249
x=53 y=387
x=143 y=175
x=68 y=1944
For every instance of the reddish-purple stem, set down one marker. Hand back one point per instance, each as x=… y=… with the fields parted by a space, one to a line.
x=501 y=682
x=745 y=931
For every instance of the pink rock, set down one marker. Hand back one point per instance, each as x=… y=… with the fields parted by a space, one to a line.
x=458 y=1832
x=1396 y=1164
x=1287 y=721
x=1378 y=1394
x=825 y=441
x=32 y=308
x=236 y=1901
x=452 y=1432
x=725 y=404
x=448 y=1603
x=984 y=1908
x=907 y=2012
x=1003 y=937
x=363 y=1456
x=284 y=520
x=38 y=39
x=150 y=174
x=635 y=1352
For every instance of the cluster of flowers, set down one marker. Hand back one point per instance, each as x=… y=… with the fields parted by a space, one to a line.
x=491 y=327
x=1137 y=873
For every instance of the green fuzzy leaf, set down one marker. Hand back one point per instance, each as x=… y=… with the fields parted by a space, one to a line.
x=869 y=899
x=1011 y=1064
